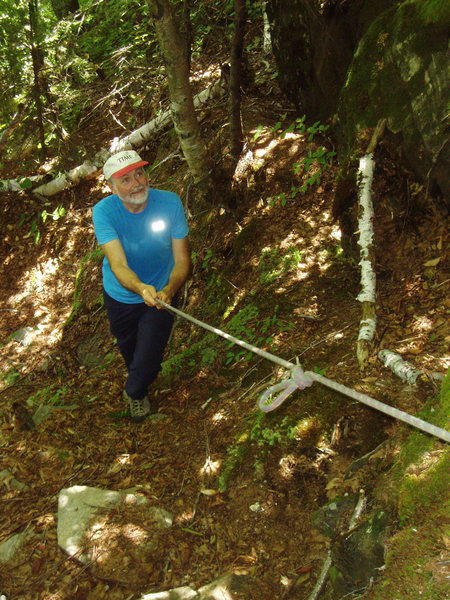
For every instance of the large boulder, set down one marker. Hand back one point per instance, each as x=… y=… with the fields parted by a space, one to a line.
x=359 y=61
x=401 y=72
x=313 y=43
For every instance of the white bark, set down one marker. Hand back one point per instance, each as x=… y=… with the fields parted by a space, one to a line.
x=134 y=140
x=365 y=175
x=367 y=328
x=398 y=366
x=366 y=296
x=267 y=37
x=18 y=185
x=85 y=171
x=138 y=137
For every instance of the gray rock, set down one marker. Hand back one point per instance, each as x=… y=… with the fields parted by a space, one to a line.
x=9 y=547
x=180 y=593
x=78 y=504
x=359 y=555
x=364 y=61
x=333 y=518
x=229 y=586
x=401 y=52
x=26 y=335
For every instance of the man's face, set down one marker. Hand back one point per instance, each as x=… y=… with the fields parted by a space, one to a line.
x=132 y=188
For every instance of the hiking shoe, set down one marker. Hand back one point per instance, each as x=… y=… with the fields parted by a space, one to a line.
x=139 y=407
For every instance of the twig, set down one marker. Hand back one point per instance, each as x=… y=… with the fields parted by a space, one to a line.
x=433 y=286
x=322 y=578
x=328 y=561
x=117 y=120
x=326 y=338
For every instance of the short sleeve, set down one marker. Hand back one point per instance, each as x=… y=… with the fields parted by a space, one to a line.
x=180 y=227
x=103 y=226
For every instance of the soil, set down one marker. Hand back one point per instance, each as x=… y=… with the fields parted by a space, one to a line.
x=291 y=461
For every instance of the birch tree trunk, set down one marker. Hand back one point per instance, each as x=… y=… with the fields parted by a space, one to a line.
x=237 y=49
x=399 y=366
x=187 y=30
x=136 y=139
x=367 y=295
x=267 y=38
x=368 y=278
x=182 y=105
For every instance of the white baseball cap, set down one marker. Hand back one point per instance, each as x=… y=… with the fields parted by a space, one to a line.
x=120 y=163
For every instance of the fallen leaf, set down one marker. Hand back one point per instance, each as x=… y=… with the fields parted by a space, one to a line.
x=333 y=483
x=208 y=492
x=433 y=262
x=305 y=569
x=302 y=578
x=114 y=469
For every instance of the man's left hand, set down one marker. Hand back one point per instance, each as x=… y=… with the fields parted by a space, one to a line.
x=166 y=295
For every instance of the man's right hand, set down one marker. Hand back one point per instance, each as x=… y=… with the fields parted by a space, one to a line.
x=148 y=293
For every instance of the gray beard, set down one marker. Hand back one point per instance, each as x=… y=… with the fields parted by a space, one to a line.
x=135 y=200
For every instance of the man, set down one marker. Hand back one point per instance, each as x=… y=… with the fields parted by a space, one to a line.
x=143 y=233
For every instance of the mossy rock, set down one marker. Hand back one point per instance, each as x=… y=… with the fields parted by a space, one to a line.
x=333 y=518
x=401 y=72
x=358 y=556
x=419 y=484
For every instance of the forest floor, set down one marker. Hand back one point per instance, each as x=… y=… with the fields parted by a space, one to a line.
x=272 y=270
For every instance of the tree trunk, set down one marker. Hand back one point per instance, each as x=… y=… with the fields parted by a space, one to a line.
x=187 y=30
x=63 y=8
x=267 y=36
x=137 y=138
x=368 y=278
x=37 y=61
x=237 y=48
x=182 y=105
x=399 y=367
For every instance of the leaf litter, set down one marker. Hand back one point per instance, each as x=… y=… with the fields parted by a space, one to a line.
x=175 y=461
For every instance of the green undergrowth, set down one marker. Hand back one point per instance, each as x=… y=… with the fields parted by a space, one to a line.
x=79 y=293
x=434 y=11
x=305 y=421
x=418 y=486
x=206 y=349
x=255 y=320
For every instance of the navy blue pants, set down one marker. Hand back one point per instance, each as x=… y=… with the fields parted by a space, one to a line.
x=142 y=333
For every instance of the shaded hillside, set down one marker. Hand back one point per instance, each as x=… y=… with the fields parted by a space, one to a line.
x=274 y=274
x=243 y=487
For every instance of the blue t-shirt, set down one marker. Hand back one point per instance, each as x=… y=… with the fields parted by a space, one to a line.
x=146 y=238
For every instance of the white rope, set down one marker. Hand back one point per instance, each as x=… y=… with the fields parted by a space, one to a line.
x=434 y=430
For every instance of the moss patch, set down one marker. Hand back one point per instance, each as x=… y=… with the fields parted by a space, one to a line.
x=416 y=554
x=83 y=295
